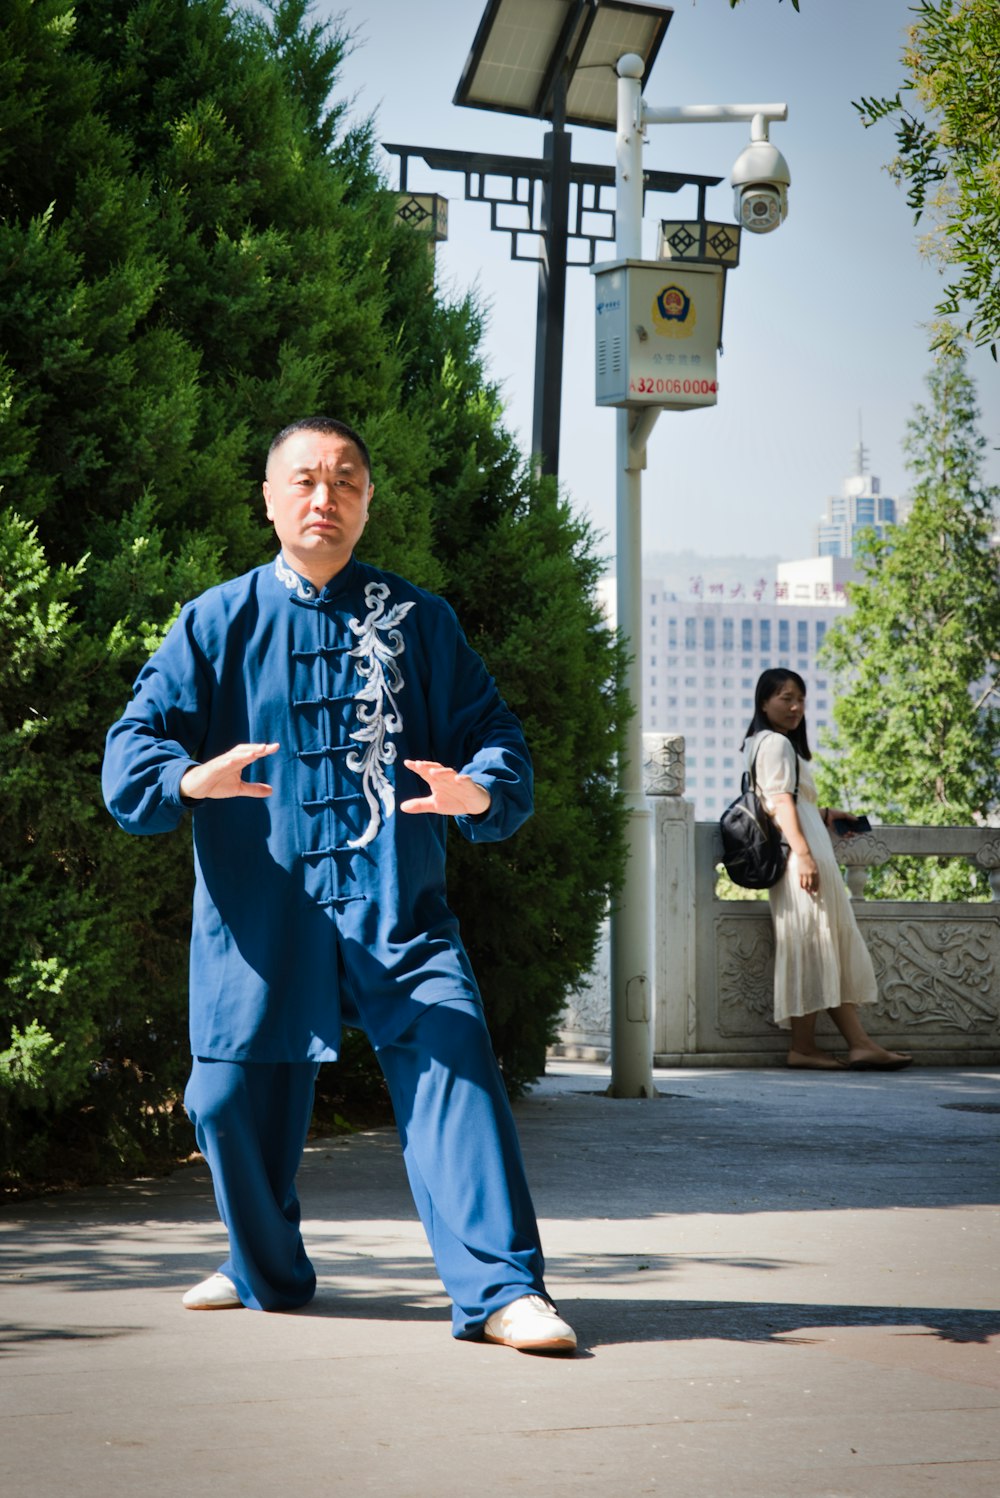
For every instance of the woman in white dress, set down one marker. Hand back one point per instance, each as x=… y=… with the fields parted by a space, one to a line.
x=820 y=961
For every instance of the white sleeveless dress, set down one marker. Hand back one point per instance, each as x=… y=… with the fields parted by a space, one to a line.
x=820 y=959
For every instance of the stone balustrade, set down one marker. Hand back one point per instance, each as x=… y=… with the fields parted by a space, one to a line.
x=937 y=964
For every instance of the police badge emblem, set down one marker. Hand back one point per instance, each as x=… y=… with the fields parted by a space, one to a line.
x=673 y=312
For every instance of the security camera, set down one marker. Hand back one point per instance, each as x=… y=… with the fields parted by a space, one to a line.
x=761 y=180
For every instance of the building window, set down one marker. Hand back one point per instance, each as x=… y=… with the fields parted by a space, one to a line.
x=709 y=634
x=784 y=636
x=746 y=635
x=765 y=636
x=690 y=634
x=727 y=635
x=820 y=632
x=802 y=637
x=671 y=634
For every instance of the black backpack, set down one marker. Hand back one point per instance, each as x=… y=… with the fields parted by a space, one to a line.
x=754 y=854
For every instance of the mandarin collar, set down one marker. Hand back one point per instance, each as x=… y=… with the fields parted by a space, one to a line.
x=301 y=590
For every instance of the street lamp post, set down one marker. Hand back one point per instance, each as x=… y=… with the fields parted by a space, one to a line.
x=631 y=923
x=631 y=1049
x=552 y=265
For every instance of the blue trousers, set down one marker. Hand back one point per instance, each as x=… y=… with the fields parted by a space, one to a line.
x=460 y=1148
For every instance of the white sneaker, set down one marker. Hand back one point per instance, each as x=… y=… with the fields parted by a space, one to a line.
x=217 y=1293
x=530 y=1324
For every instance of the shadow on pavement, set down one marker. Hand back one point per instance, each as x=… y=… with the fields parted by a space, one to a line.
x=607 y=1322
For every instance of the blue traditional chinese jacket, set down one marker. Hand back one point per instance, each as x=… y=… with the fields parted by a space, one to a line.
x=350 y=681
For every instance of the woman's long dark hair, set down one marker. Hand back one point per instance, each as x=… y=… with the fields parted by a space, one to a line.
x=768 y=684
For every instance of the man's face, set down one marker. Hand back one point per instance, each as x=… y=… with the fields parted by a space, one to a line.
x=317 y=494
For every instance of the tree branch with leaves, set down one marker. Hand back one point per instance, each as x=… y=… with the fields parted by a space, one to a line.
x=917 y=657
x=947 y=117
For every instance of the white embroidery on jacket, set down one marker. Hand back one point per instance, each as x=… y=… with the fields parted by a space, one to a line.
x=379 y=645
x=291 y=579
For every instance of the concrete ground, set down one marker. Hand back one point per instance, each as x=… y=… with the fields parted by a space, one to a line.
x=784 y=1285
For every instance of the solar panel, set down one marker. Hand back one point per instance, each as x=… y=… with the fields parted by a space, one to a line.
x=522 y=45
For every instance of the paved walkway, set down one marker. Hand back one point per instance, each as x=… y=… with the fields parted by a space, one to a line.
x=785 y=1286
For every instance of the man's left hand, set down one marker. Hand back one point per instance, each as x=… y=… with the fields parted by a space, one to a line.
x=451 y=794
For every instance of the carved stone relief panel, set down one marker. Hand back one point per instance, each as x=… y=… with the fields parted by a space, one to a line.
x=587 y=1014
x=744 y=976
x=937 y=974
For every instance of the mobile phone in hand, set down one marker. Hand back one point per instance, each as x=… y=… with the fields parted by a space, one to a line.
x=843 y=828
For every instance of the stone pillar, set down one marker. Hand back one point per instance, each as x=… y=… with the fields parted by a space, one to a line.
x=673 y=895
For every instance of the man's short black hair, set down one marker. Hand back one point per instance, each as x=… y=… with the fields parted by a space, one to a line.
x=330 y=427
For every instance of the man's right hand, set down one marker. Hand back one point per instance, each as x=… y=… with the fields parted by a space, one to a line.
x=221 y=778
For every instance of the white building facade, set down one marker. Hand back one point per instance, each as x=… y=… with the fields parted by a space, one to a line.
x=701 y=660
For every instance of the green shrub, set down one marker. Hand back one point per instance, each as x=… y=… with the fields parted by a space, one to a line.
x=195 y=252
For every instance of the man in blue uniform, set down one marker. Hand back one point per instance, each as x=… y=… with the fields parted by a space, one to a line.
x=321 y=720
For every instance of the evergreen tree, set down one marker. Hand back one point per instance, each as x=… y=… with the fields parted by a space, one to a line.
x=917 y=711
x=194 y=251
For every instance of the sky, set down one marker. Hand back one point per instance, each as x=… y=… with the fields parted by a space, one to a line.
x=826 y=318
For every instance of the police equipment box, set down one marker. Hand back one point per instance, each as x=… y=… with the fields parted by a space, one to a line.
x=658 y=328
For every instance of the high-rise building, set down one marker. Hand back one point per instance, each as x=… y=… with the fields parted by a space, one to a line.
x=701 y=661
x=859 y=506
x=705 y=645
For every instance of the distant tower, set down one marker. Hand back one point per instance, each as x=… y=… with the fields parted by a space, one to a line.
x=860 y=452
x=859 y=506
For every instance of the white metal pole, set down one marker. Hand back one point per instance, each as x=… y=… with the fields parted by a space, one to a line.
x=631 y=1033
x=711 y=114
